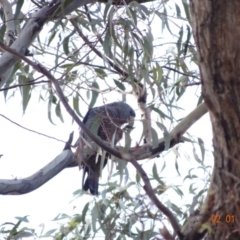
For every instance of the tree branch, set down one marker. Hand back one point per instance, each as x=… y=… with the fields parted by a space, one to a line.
x=139 y=152
x=30 y=83
x=149 y=190
x=30 y=130
x=10 y=27
x=24 y=40
x=33 y=28
x=26 y=185
x=175 y=134
x=98 y=53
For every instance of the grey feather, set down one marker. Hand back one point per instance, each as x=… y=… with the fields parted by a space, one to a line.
x=106 y=122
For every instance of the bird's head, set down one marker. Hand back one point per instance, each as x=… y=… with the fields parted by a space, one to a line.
x=125 y=112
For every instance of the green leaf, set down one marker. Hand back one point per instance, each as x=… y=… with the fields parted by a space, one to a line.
x=145 y=10
x=65 y=45
x=119 y=85
x=162 y=114
x=76 y=105
x=58 y=112
x=148 y=46
x=154 y=138
x=196 y=156
x=52 y=99
x=100 y=72
x=177 y=168
x=166 y=135
x=18 y=8
x=61 y=216
x=25 y=91
x=164 y=18
x=107 y=43
x=176 y=209
x=49 y=233
x=2 y=32
x=132 y=15
x=23 y=219
x=200 y=100
x=11 y=78
x=95 y=95
x=187 y=10
x=96 y=124
x=122 y=168
x=201 y=145
x=103 y=157
x=138 y=177
x=192 y=190
x=178 y=10
x=88 y=94
x=94 y=217
x=51 y=37
x=186 y=44
x=128 y=141
x=83 y=22
x=84 y=211
x=179 y=41
x=155 y=174
x=178 y=191
x=108 y=5
x=179 y=89
x=159 y=72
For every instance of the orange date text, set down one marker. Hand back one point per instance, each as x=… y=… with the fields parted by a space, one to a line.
x=220 y=219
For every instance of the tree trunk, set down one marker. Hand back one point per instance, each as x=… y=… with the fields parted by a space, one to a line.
x=216 y=27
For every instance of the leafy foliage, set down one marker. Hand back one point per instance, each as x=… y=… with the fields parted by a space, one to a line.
x=108 y=49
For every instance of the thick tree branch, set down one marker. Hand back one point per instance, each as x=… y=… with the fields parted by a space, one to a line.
x=139 y=152
x=10 y=27
x=24 y=40
x=34 y=27
x=113 y=151
x=147 y=151
x=175 y=135
x=44 y=71
x=125 y=156
x=29 y=184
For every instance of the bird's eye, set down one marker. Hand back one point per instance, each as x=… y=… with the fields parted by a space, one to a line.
x=131 y=112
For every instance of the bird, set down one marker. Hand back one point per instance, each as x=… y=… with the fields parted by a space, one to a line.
x=106 y=122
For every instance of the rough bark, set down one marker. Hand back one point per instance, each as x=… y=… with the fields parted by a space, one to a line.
x=216 y=27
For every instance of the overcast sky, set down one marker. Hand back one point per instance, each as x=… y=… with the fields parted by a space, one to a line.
x=25 y=152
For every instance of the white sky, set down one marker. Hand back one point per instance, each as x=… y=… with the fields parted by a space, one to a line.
x=26 y=152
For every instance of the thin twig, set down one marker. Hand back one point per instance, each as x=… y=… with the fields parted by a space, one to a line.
x=121 y=155
x=192 y=84
x=150 y=192
x=23 y=84
x=119 y=70
x=182 y=73
x=30 y=130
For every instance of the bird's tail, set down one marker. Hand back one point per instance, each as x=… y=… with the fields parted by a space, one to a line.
x=92 y=168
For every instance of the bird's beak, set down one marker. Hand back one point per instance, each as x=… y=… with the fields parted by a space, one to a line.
x=131 y=120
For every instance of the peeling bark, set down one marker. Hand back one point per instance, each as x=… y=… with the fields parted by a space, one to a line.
x=216 y=27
